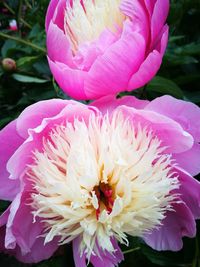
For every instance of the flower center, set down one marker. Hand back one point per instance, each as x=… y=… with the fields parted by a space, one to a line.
x=101 y=179
x=104 y=194
x=86 y=20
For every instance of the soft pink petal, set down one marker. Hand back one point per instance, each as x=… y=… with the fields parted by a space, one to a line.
x=9 y=142
x=190 y=160
x=109 y=103
x=70 y=80
x=159 y=16
x=189 y=191
x=56 y=12
x=33 y=115
x=178 y=223
x=50 y=12
x=185 y=113
x=79 y=260
x=110 y=72
x=105 y=259
x=167 y=130
x=58 y=46
x=162 y=40
x=24 y=155
x=146 y=72
x=150 y=6
x=39 y=251
x=136 y=11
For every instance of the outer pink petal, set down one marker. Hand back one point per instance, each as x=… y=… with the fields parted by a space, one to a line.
x=24 y=155
x=58 y=46
x=151 y=64
x=50 y=12
x=110 y=72
x=109 y=103
x=9 y=142
x=150 y=6
x=178 y=223
x=38 y=252
x=187 y=115
x=22 y=235
x=189 y=191
x=33 y=115
x=159 y=16
x=190 y=160
x=136 y=11
x=21 y=225
x=70 y=80
x=146 y=72
x=56 y=12
x=167 y=130
x=105 y=259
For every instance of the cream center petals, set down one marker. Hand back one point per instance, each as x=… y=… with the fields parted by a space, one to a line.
x=101 y=179
x=84 y=22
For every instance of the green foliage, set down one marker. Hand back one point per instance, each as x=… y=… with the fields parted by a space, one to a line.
x=179 y=76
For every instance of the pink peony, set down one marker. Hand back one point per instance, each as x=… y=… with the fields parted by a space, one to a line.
x=92 y=175
x=96 y=48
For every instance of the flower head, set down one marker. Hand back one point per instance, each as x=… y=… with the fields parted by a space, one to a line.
x=94 y=175
x=98 y=47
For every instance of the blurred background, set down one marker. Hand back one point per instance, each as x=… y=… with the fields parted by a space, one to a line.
x=25 y=78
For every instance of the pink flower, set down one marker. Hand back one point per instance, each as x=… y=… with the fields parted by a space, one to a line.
x=13 y=25
x=92 y=175
x=105 y=47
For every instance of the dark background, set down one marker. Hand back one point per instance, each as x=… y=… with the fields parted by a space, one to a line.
x=31 y=81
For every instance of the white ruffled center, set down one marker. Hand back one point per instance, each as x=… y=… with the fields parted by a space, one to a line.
x=85 y=22
x=101 y=179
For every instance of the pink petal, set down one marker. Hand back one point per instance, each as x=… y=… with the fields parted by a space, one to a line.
x=150 y=6
x=159 y=16
x=167 y=130
x=33 y=115
x=39 y=251
x=58 y=46
x=189 y=191
x=178 y=223
x=55 y=12
x=146 y=72
x=136 y=11
x=187 y=115
x=79 y=260
x=24 y=155
x=50 y=12
x=9 y=142
x=109 y=103
x=105 y=259
x=70 y=80
x=190 y=160
x=110 y=72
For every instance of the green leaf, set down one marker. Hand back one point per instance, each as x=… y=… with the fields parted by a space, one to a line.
x=164 y=86
x=26 y=60
x=7 y=47
x=28 y=79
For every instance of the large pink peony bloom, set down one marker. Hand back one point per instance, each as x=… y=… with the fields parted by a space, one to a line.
x=96 y=48
x=92 y=175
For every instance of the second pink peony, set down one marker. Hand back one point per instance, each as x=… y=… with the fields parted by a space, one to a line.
x=96 y=47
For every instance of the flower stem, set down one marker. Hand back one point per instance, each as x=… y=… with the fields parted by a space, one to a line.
x=131 y=250
x=28 y=43
x=196 y=261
